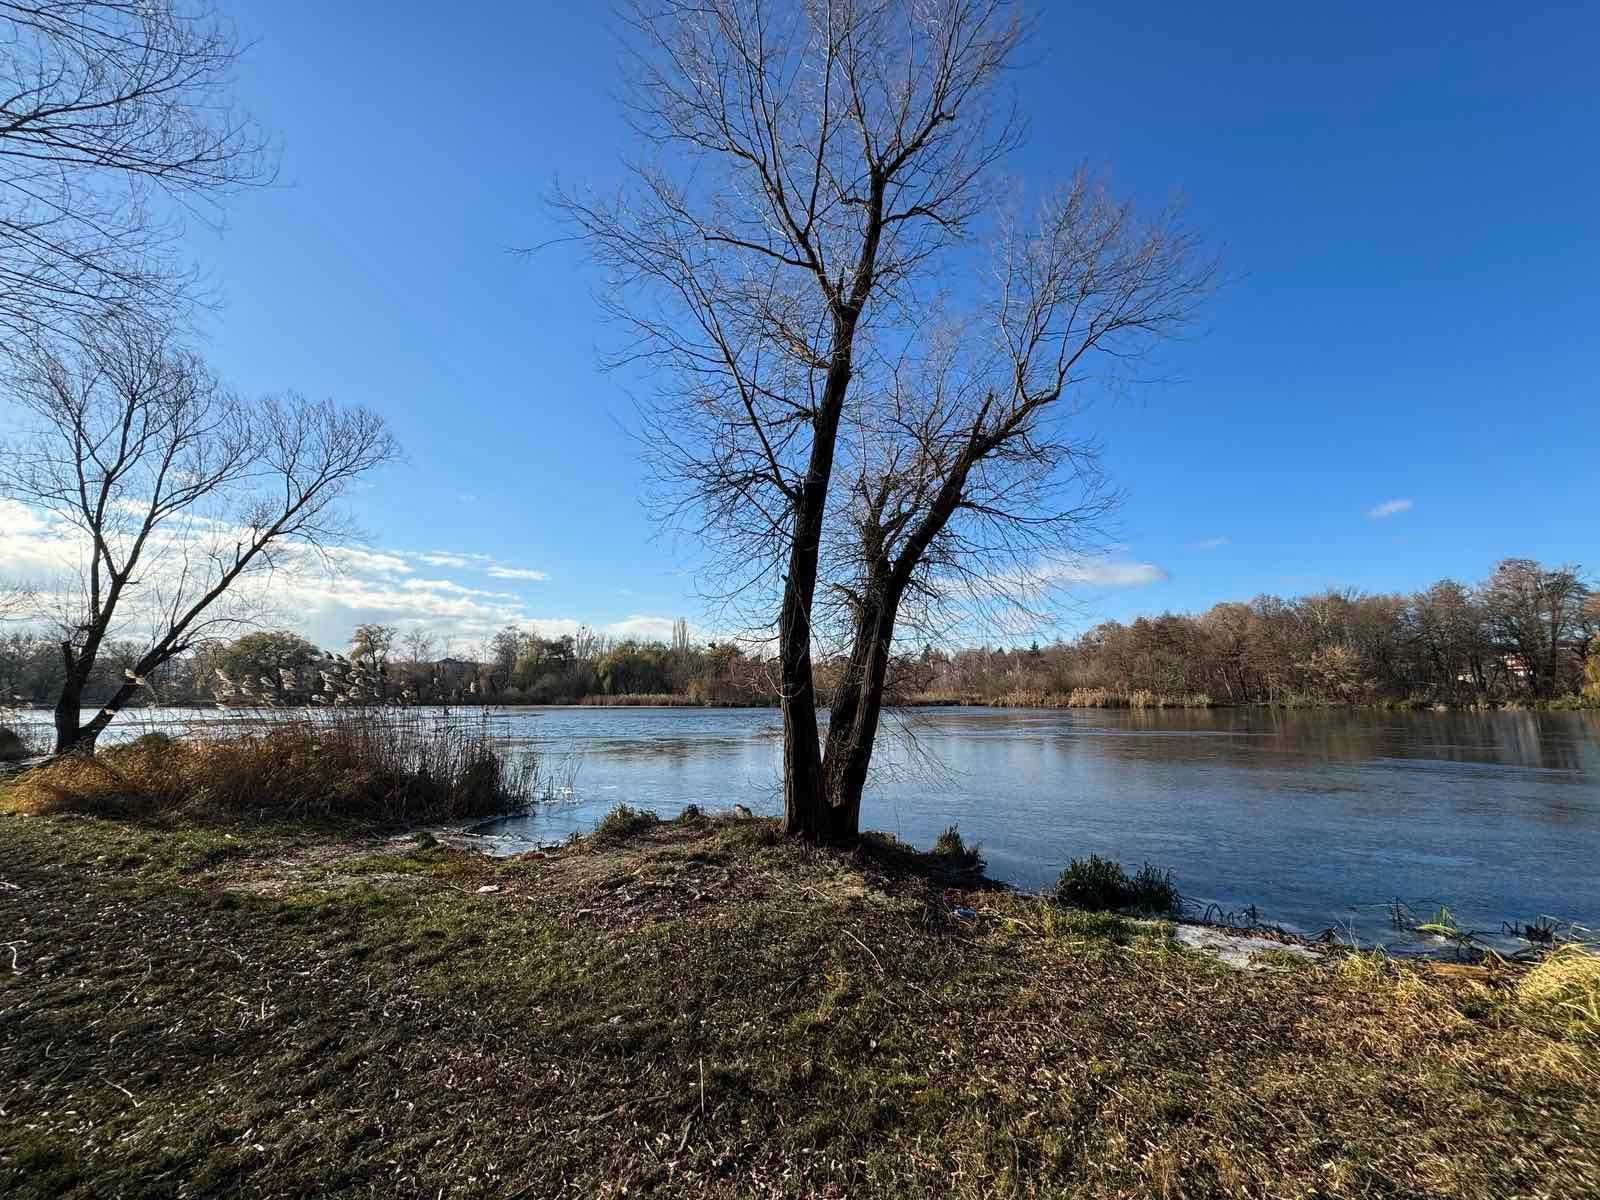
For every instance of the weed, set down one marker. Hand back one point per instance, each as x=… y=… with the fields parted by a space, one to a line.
x=950 y=845
x=1102 y=884
x=621 y=823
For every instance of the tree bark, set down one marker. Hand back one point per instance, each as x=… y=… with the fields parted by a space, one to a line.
x=69 y=734
x=804 y=798
x=857 y=711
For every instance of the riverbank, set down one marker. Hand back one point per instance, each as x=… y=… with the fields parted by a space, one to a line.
x=704 y=1008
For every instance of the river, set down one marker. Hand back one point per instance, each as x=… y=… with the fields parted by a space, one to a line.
x=1318 y=818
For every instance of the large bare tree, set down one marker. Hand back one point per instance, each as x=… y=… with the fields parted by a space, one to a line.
x=116 y=119
x=177 y=489
x=971 y=487
x=798 y=262
x=809 y=160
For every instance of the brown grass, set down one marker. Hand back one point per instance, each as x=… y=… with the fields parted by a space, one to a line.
x=642 y=700
x=707 y=1009
x=378 y=766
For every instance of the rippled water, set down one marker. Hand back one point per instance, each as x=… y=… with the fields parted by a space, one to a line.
x=1319 y=818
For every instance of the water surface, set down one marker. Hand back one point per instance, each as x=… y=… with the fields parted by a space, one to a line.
x=1318 y=818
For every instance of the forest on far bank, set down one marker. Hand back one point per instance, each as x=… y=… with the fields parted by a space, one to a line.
x=1527 y=634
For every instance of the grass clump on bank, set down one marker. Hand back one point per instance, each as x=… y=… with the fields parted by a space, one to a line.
x=621 y=823
x=1566 y=987
x=1101 y=884
x=364 y=766
x=952 y=846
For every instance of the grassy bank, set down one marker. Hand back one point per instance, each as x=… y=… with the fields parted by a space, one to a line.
x=703 y=1008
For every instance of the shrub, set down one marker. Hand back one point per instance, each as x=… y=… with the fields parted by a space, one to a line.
x=1101 y=884
x=12 y=747
x=621 y=823
x=372 y=766
x=950 y=845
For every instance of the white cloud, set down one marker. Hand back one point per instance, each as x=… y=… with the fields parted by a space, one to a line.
x=441 y=559
x=323 y=596
x=1390 y=508
x=354 y=558
x=1210 y=543
x=646 y=628
x=1098 y=573
x=499 y=572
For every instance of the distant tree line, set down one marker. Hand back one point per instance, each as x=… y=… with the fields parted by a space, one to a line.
x=1526 y=634
x=381 y=665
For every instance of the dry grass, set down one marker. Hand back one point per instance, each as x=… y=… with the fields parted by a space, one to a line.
x=384 y=766
x=643 y=700
x=1566 y=987
x=705 y=1008
x=1099 y=698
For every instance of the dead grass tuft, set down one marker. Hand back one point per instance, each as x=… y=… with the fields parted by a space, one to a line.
x=1566 y=986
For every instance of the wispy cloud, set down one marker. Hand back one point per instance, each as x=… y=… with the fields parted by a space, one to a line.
x=499 y=572
x=440 y=558
x=1210 y=543
x=1390 y=508
x=1061 y=572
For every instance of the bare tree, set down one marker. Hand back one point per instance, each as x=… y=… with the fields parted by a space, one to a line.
x=967 y=476
x=115 y=117
x=826 y=152
x=418 y=646
x=178 y=489
x=1538 y=613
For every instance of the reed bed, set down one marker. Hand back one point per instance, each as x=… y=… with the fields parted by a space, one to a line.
x=370 y=766
x=1100 y=698
x=642 y=700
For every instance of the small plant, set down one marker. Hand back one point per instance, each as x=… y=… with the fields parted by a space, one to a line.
x=1093 y=883
x=1155 y=891
x=951 y=845
x=1540 y=932
x=1102 y=884
x=621 y=823
x=1443 y=925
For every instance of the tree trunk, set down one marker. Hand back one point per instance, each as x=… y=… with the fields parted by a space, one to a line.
x=804 y=801
x=70 y=736
x=857 y=710
x=802 y=750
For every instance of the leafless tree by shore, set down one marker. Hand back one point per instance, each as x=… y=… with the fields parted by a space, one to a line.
x=819 y=171
x=176 y=489
x=814 y=159
x=116 y=118
x=968 y=473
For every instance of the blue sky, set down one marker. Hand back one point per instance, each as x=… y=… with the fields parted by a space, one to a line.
x=1407 y=198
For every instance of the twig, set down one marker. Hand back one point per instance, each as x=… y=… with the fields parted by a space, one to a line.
x=123 y=1090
